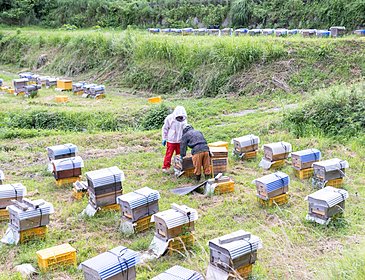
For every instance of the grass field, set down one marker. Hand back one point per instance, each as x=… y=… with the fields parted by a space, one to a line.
x=293 y=247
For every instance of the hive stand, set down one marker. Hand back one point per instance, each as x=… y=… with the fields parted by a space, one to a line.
x=180 y=243
x=32 y=234
x=111 y=207
x=277 y=164
x=276 y=200
x=4 y=215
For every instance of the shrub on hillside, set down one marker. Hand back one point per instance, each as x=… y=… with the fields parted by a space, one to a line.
x=155 y=117
x=339 y=112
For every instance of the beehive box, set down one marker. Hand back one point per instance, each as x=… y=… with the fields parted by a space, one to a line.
x=64 y=84
x=62 y=151
x=308 y=33
x=51 y=82
x=233 y=251
x=139 y=203
x=104 y=200
x=57 y=256
x=179 y=273
x=9 y=192
x=276 y=200
x=272 y=185
x=67 y=167
x=181 y=243
x=33 y=233
x=174 y=222
x=277 y=151
x=62 y=99
x=304 y=159
x=67 y=181
x=247 y=143
x=330 y=169
x=338 y=31
x=336 y=183
x=224 y=187
x=219 y=165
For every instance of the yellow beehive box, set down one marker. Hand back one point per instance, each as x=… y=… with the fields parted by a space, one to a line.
x=219 y=144
x=67 y=181
x=30 y=234
x=61 y=255
x=62 y=99
x=156 y=99
x=225 y=187
x=100 y=96
x=277 y=164
x=111 y=207
x=11 y=90
x=143 y=224
x=336 y=183
x=64 y=84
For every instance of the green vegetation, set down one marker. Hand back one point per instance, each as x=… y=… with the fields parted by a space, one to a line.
x=335 y=112
x=183 y=65
x=185 y=13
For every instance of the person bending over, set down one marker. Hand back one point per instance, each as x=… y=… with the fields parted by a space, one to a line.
x=195 y=140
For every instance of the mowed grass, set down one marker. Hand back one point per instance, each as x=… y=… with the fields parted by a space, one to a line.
x=293 y=247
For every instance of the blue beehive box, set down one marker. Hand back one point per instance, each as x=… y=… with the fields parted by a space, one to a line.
x=305 y=158
x=272 y=185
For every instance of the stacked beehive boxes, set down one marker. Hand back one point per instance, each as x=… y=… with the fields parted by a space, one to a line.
x=7 y=194
x=246 y=147
x=62 y=151
x=183 y=166
x=219 y=159
x=219 y=185
x=174 y=227
x=67 y=170
x=329 y=172
x=78 y=88
x=118 y=263
x=273 y=188
x=233 y=254
x=325 y=204
x=31 y=90
x=19 y=85
x=104 y=186
x=179 y=273
x=97 y=92
x=57 y=256
x=138 y=206
x=275 y=154
x=51 y=82
x=303 y=160
x=29 y=218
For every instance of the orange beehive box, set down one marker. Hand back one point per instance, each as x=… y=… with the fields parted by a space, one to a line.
x=62 y=98
x=64 y=84
x=156 y=99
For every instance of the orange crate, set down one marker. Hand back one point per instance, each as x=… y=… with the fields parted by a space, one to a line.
x=219 y=144
x=336 y=183
x=156 y=99
x=226 y=187
x=100 y=96
x=181 y=243
x=81 y=92
x=67 y=181
x=143 y=224
x=304 y=173
x=277 y=200
x=64 y=84
x=61 y=255
x=62 y=99
x=4 y=215
x=33 y=233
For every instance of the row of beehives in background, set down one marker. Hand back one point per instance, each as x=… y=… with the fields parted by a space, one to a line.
x=334 y=31
x=28 y=84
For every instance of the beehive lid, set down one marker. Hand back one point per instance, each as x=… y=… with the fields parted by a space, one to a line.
x=179 y=215
x=68 y=163
x=139 y=197
x=105 y=176
x=179 y=273
x=247 y=140
x=23 y=80
x=112 y=262
x=55 y=251
x=12 y=190
x=43 y=208
x=62 y=149
x=332 y=164
x=27 y=75
x=238 y=243
x=279 y=147
x=332 y=196
x=278 y=177
x=308 y=155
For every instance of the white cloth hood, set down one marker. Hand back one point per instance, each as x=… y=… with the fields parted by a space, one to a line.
x=179 y=111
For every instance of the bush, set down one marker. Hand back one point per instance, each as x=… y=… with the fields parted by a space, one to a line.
x=339 y=112
x=155 y=117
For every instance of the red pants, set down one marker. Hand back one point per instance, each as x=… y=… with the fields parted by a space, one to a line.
x=171 y=148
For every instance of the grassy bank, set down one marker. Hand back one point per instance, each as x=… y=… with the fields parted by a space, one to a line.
x=202 y=66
